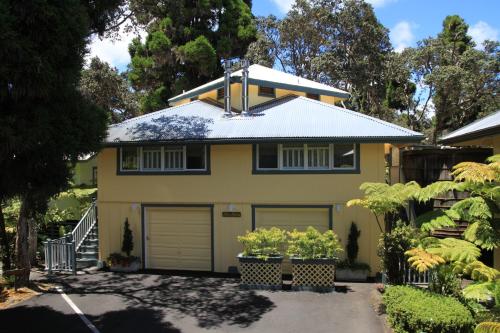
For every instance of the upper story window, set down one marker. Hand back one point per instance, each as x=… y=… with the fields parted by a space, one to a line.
x=267 y=91
x=312 y=96
x=220 y=93
x=164 y=159
x=304 y=158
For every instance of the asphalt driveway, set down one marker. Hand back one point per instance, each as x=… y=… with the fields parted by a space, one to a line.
x=175 y=303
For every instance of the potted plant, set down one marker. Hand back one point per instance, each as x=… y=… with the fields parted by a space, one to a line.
x=350 y=269
x=118 y=262
x=313 y=256
x=260 y=261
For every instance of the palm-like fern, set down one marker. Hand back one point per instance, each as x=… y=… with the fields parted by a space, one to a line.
x=488 y=327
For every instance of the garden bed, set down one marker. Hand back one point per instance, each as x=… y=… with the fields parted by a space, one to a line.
x=260 y=273
x=313 y=274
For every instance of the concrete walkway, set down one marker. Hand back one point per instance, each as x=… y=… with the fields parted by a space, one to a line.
x=173 y=303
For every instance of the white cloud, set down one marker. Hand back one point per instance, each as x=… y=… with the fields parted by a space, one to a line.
x=482 y=31
x=114 y=52
x=380 y=3
x=284 y=5
x=402 y=35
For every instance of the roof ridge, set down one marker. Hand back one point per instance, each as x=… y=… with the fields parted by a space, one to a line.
x=359 y=114
x=160 y=111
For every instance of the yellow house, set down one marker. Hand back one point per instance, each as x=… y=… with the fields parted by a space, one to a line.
x=257 y=148
x=484 y=132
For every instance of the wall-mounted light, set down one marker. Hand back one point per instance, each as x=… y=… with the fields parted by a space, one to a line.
x=338 y=207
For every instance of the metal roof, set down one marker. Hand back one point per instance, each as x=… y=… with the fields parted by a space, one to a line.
x=291 y=118
x=489 y=125
x=268 y=77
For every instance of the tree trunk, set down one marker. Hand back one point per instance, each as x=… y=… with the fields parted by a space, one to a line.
x=4 y=243
x=22 y=245
x=33 y=241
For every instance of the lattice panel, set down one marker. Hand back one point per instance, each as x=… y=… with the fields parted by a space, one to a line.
x=313 y=275
x=261 y=274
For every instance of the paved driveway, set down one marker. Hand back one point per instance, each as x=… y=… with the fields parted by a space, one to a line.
x=174 y=303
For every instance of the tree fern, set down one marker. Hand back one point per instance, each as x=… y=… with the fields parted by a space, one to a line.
x=422 y=261
x=474 y=208
x=478 y=172
x=435 y=189
x=483 y=235
x=453 y=250
x=482 y=291
x=436 y=219
x=488 y=327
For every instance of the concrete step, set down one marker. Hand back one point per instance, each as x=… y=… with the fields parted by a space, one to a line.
x=85 y=263
x=88 y=255
x=87 y=248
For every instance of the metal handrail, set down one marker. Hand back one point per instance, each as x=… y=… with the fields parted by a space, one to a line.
x=86 y=224
x=60 y=253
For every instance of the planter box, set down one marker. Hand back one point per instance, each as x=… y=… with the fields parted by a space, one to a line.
x=313 y=274
x=260 y=274
x=349 y=274
x=133 y=267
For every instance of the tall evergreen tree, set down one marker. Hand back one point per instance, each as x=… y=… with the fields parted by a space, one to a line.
x=45 y=123
x=185 y=44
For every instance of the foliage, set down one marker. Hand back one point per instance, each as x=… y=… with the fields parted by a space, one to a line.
x=352 y=243
x=436 y=219
x=118 y=259
x=422 y=260
x=392 y=247
x=103 y=85
x=128 y=242
x=45 y=123
x=185 y=44
x=263 y=243
x=311 y=244
x=411 y=309
x=488 y=327
x=62 y=231
x=444 y=281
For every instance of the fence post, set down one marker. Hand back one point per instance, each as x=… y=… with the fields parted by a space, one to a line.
x=73 y=257
x=49 y=255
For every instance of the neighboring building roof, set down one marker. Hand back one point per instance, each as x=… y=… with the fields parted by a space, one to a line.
x=291 y=118
x=489 y=125
x=268 y=77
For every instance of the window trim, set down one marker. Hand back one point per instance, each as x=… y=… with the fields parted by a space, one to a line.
x=306 y=170
x=140 y=171
x=260 y=93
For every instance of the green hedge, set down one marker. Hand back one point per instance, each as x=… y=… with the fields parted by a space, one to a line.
x=416 y=310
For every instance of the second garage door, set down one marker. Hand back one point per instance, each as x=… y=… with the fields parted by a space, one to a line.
x=292 y=218
x=178 y=238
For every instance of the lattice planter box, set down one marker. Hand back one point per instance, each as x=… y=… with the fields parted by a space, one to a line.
x=260 y=274
x=313 y=274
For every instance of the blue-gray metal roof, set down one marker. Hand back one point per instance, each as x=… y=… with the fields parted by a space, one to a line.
x=489 y=125
x=268 y=77
x=287 y=119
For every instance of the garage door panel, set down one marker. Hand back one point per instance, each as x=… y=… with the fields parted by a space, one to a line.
x=292 y=218
x=179 y=238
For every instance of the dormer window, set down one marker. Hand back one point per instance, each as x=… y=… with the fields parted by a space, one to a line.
x=312 y=96
x=220 y=93
x=267 y=92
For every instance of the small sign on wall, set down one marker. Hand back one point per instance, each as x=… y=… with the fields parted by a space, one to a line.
x=231 y=214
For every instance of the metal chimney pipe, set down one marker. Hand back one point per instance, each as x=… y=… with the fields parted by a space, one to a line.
x=244 y=88
x=227 y=87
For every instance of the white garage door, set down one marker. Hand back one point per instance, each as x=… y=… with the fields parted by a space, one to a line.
x=178 y=238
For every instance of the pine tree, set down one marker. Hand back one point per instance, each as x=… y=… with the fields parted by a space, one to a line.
x=128 y=242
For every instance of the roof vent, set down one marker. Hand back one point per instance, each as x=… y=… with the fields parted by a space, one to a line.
x=244 y=87
x=227 y=88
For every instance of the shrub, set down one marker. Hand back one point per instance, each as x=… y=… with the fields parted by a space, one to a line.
x=263 y=243
x=311 y=244
x=392 y=247
x=128 y=243
x=352 y=243
x=410 y=309
x=444 y=281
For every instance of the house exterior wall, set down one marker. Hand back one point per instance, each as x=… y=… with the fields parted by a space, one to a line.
x=254 y=98
x=231 y=182
x=83 y=172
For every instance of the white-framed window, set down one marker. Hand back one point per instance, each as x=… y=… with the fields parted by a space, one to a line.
x=170 y=158
x=310 y=156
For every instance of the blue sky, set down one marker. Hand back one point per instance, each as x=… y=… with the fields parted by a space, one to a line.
x=407 y=20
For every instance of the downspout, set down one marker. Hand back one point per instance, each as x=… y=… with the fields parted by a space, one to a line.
x=227 y=88
x=244 y=88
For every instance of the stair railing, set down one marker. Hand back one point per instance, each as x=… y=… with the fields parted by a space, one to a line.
x=60 y=253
